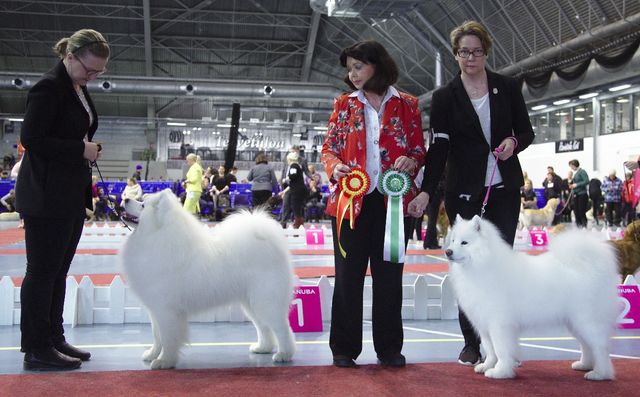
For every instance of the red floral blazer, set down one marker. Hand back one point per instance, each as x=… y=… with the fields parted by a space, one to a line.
x=400 y=135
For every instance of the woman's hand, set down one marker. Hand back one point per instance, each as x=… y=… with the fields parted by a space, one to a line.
x=405 y=164
x=340 y=170
x=91 y=151
x=505 y=150
x=417 y=206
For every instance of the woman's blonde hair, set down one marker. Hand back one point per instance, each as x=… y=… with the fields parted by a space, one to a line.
x=470 y=28
x=192 y=157
x=292 y=158
x=82 y=41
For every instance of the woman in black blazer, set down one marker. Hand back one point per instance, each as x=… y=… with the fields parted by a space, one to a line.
x=477 y=116
x=52 y=191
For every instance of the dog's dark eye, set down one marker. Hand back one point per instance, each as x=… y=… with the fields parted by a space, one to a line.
x=463 y=243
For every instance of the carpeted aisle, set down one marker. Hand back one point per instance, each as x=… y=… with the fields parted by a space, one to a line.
x=535 y=378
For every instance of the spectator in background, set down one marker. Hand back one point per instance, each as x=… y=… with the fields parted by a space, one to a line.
x=136 y=174
x=612 y=188
x=193 y=184
x=595 y=194
x=528 y=198
x=567 y=197
x=553 y=189
x=8 y=201
x=314 y=206
x=132 y=191
x=263 y=181
x=579 y=189
x=296 y=190
x=15 y=169
x=315 y=176
x=628 y=212
x=220 y=187
x=100 y=205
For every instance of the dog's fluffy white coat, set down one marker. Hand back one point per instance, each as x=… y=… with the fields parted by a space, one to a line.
x=503 y=292
x=176 y=268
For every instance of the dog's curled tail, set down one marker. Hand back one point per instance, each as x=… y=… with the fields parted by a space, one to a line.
x=585 y=251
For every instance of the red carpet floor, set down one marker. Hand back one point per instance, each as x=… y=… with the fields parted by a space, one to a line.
x=535 y=378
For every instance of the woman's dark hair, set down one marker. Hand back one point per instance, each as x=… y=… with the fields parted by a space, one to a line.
x=261 y=158
x=574 y=163
x=372 y=53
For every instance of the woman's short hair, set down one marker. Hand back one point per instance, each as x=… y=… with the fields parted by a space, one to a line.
x=574 y=163
x=372 y=53
x=470 y=28
x=81 y=42
x=192 y=157
x=262 y=158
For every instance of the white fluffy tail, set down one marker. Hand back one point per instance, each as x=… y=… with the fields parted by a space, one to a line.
x=579 y=248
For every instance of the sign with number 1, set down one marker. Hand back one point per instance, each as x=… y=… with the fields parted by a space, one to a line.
x=315 y=236
x=306 y=313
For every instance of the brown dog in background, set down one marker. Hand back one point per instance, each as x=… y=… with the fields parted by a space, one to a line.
x=628 y=250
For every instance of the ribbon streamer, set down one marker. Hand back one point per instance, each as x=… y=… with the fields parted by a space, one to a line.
x=353 y=185
x=395 y=185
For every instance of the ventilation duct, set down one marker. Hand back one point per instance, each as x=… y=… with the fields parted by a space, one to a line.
x=156 y=87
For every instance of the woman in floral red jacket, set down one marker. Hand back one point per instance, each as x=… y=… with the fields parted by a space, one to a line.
x=372 y=130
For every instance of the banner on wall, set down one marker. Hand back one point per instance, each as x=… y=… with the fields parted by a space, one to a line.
x=570 y=145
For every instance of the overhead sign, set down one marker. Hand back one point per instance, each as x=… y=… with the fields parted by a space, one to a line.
x=570 y=145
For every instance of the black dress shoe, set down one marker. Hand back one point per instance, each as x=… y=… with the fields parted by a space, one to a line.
x=343 y=362
x=49 y=359
x=394 y=360
x=432 y=247
x=72 y=351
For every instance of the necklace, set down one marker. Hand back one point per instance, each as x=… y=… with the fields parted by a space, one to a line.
x=475 y=90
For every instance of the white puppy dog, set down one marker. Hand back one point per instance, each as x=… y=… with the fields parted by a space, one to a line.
x=503 y=292
x=176 y=268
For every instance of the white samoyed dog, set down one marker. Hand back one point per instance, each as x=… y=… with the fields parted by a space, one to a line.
x=503 y=292
x=176 y=268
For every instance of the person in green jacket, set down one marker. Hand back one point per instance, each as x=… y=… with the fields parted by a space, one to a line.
x=579 y=186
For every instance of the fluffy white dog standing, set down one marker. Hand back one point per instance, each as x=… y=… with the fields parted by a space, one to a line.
x=503 y=291
x=177 y=268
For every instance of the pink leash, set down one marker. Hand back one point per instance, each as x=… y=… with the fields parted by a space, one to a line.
x=493 y=173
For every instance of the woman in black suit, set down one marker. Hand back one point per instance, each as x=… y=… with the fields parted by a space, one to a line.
x=52 y=191
x=478 y=116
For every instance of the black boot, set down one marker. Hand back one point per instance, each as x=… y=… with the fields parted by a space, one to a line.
x=72 y=351
x=49 y=359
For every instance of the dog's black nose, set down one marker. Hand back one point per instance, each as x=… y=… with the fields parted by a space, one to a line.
x=448 y=253
x=126 y=200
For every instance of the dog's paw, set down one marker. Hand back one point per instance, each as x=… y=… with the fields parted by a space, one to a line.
x=150 y=354
x=481 y=368
x=593 y=375
x=260 y=348
x=495 y=373
x=163 y=364
x=282 y=357
x=580 y=366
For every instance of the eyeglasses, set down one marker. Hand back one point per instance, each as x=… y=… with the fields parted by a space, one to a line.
x=464 y=53
x=90 y=72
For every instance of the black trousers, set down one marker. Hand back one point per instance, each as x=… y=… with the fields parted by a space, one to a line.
x=613 y=212
x=502 y=210
x=51 y=245
x=364 y=245
x=580 y=203
x=259 y=197
x=433 y=208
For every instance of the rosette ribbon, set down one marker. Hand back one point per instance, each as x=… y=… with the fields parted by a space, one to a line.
x=353 y=185
x=394 y=184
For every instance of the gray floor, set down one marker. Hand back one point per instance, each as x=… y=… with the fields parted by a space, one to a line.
x=223 y=345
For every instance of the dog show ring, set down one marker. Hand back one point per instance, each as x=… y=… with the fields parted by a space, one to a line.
x=394 y=184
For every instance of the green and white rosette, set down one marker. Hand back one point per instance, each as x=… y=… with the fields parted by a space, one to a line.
x=394 y=184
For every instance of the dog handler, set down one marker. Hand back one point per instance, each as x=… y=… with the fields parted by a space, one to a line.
x=52 y=191
x=478 y=116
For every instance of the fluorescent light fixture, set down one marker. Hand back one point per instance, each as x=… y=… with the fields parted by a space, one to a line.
x=539 y=107
x=274 y=126
x=15 y=119
x=561 y=102
x=580 y=109
x=578 y=118
x=622 y=100
x=176 y=124
x=297 y=134
x=589 y=95
x=224 y=125
x=562 y=114
x=620 y=87
x=320 y=128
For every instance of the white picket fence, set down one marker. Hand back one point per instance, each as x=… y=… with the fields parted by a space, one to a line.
x=86 y=303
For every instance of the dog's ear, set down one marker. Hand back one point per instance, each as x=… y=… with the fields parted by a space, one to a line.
x=458 y=218
x=475 y=221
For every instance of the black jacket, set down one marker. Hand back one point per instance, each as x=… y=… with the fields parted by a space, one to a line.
x=55 y=179
x=456 y=135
